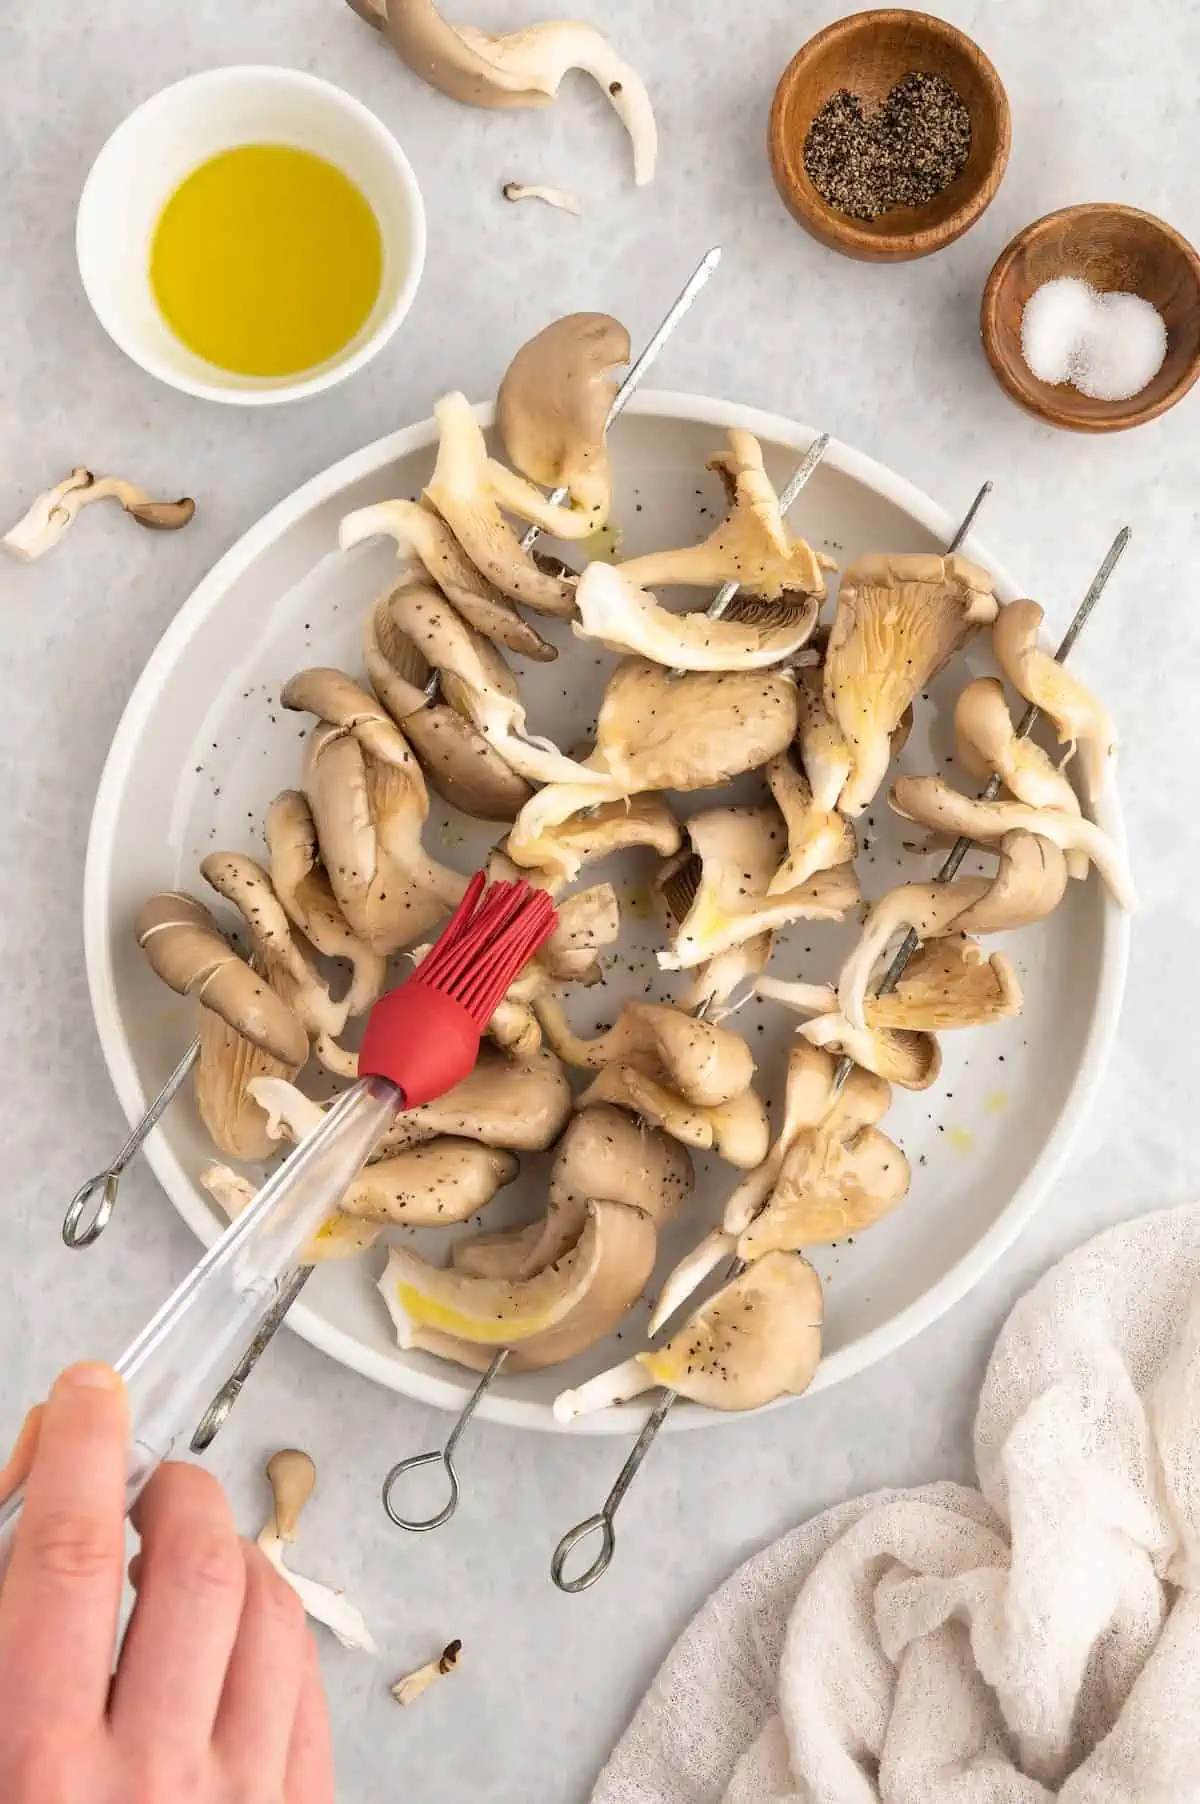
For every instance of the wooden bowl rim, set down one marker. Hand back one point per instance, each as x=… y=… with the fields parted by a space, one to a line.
x=838 y=229
x=1063 y=414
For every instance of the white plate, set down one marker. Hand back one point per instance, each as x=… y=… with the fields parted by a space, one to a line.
x=203 y=746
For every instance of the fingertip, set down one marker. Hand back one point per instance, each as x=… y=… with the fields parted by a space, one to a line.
x=88 y=1375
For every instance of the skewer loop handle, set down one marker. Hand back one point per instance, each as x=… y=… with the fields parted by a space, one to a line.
x=601 y=1521
x=420 y=1525
x=91 y=1209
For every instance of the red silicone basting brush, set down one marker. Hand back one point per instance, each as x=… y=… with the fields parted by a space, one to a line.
x=421 y=1039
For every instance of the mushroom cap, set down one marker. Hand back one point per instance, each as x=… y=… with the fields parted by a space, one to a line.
x=703 y=1063
x=519 y=1103
x=756 y=1339
x=696 y=731
x=828 y=1188
x=227 y=1065
x=986 y=744
x=751 y=547
x=463 y=768
x=292 y=1477
x=496 y=1252
x=934 y=804
x=553 y=405
x=283 y=959
x=188 y=951
x=949 y=983
x=619 y=614
x=461 y=491
x=1029 y=884
x=587 y=922
x=899 y=620
x=1080 y=719
x=739 y=850
x=303 y=888
x=818 y=839
x=431 y=1185
x=421 y=534
x=738 y=1130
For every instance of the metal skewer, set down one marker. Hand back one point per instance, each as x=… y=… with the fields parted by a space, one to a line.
x=92 y=1205
x=602 y=1521
x=720 y=602
x=218 y=1410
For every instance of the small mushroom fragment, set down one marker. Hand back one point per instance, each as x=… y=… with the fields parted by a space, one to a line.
x=1083 y=724
x=934 y=804
x=823 y=751
x=479 y=684
x=189 y=952
x=553 y=405
x=899 y=620
x=818 y=839
x=737 y=852
x=462 y=490
x=715 y=983
x=518 y=69
x=703 y=1063
x=752 y=546
x=756 y=1339
x=737 y=1130
x=458 y=761
x=562 y=198
x=303 y=887
x=292 y=1476
x=52 y=514
x=416 y=1684
x=369 y=803
x=619 y=614
x=422 y=537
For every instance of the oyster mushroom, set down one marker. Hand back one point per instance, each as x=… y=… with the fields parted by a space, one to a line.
x=422 y=536
x=829 y=1186
x=756 y=1339
x=553 y=405
x=934 y=804
x=283 y=959
x=715 y=983
x=303 y=888
x=462 y=490
x=618 y=614
x=189 y=952
x=518 y=69
x=986 y=745
x=53 y=513
x=601 y=1274
x=413 y=1685
x=737 y=1130
x=458 y=761
x=369 y=803
x=899 y=620
x=479 y=684
x=898 y=1055
x=227 y=1064
x=1082 y=723
x=703 y=1063
x=588 y=921
x=818 y=839
x=563 y=198
x=736 y=852
x=520 y=1104
x=823 y=751
x=751 y=547
x=292 y=1476
x=643 y=820
x=434 y=1185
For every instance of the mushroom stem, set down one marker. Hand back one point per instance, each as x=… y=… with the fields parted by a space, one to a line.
x=562 y=198
x=410 y=1688
x=620 y=1384
x=52 y=513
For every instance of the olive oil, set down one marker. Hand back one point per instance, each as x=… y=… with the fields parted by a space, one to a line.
x=266 y=260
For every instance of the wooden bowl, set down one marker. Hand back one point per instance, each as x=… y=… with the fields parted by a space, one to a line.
x=1113 y=248
x=868 y=53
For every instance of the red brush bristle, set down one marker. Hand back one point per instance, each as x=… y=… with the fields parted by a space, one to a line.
x=492 y=934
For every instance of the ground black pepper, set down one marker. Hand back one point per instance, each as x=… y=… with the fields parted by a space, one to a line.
x=902 y=155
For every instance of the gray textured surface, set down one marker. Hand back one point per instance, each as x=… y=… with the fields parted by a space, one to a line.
x=885 y=358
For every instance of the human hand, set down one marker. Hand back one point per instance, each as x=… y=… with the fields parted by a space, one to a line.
x=216 y=1698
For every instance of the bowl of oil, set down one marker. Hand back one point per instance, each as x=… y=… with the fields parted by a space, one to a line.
x=251 y=235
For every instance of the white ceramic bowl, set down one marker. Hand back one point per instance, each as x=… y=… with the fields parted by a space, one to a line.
x=167 y=137
x=203 y=746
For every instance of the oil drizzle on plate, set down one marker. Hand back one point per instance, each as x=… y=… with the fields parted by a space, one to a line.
x=266 y=260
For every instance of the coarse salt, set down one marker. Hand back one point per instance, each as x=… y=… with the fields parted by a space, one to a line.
x=1108 y=346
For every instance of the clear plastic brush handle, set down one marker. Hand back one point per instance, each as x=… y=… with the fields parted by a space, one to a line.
x=171 y=1368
